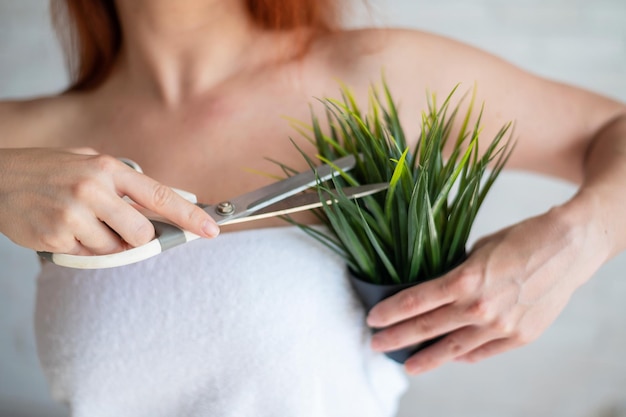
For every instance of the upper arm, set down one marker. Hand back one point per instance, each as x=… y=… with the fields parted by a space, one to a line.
x=554 y=124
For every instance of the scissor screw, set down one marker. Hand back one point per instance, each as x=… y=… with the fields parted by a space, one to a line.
x=225 y=208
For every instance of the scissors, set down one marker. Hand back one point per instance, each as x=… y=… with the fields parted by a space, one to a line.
x=281 y=198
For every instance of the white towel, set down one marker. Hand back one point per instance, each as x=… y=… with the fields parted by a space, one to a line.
x=258 y=323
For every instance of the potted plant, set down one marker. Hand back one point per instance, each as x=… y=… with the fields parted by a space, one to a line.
x=418 y=228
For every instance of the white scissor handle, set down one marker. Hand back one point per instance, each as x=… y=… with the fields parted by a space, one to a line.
x=167 y=236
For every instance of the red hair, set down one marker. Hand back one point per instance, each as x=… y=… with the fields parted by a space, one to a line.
x=91 y=33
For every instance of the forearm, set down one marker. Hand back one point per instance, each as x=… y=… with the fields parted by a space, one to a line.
x=601 y=200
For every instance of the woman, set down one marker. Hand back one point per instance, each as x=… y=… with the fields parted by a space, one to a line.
x=260 y=322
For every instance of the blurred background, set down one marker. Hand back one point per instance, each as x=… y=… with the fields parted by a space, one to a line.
x=576 y=369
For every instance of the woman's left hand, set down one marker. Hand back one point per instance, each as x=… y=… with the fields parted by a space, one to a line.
x=511 y=288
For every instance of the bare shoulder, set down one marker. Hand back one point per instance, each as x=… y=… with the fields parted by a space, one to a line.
x=414 y=64
x=410 y=57
x=35 y=122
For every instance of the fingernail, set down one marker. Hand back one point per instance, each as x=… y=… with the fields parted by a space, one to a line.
x=210 y=228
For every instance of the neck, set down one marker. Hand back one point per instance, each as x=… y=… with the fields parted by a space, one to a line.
x=175 y=50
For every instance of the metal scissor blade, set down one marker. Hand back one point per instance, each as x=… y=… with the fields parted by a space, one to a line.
x=253 y=201
x=308 y=201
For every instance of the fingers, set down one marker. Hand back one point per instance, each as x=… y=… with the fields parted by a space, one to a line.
x=448 y=349
x=410 y=303
x=164 y=201
x=505 y=295
x=452 y=305
x=98 y=239
x=79 y=232
x=418 y=329
x=70 y=201
x=130 y=225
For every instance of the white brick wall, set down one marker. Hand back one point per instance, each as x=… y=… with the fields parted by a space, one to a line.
x=575 y=370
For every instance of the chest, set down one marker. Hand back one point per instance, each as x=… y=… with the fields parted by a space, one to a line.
x=215 y=148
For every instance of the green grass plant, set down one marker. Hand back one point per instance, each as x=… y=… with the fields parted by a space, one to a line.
x=418 y=228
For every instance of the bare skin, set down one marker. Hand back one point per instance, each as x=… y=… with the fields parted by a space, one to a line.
x=194 y=107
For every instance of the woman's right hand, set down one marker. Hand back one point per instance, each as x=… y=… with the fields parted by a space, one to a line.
x=71 y=201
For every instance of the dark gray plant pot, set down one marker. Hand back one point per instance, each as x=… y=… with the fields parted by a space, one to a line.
x=370 y=295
